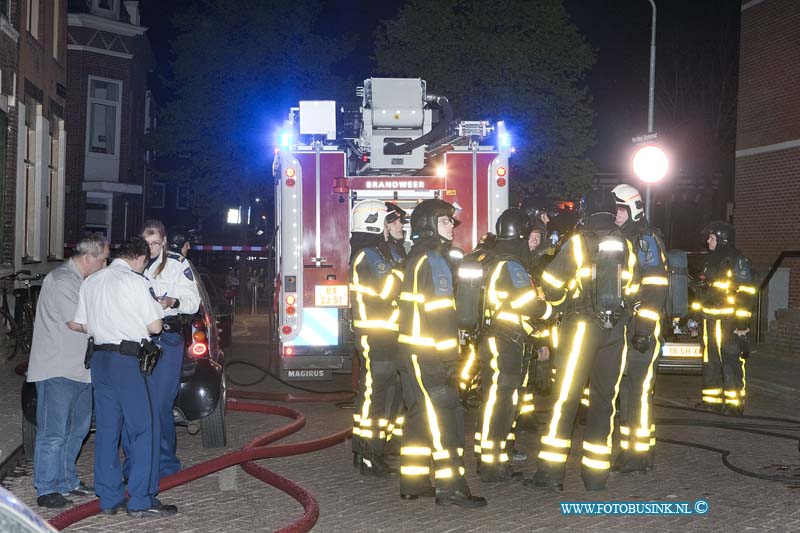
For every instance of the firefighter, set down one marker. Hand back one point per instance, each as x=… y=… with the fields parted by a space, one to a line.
x=394 y=233
x=588 y=277
x=396 y=218
x=511 y=300
x=468 y=375
x=374 y=286
x=428 y=339
x=637 y=427
x=726 y=296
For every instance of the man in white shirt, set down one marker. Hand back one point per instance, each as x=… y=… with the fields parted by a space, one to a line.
x=117 y=310
x=63 y=385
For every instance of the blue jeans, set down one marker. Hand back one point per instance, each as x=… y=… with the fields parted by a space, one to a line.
x=63 y=418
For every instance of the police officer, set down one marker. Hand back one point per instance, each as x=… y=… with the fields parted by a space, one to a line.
x=637 y=426
x=374 y=286
x=726 y=296
x=181 y=242
x=589 y=276
x=114 y=306
x=511 y=300
x=428 y=339
x=174 y=285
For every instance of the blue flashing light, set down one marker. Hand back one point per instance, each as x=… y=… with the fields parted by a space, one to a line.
x=285 y=139
x=505 y=139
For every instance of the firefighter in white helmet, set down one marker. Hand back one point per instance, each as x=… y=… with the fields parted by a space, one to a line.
x=637 y=426
x=374 y=286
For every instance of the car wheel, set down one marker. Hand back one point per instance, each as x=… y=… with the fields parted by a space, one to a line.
x=212 y=427
x=28 y=438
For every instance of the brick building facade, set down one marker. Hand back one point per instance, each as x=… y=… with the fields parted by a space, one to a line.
x=767 y=193
x=9 y=39
x=109 y=59
x=40 y=135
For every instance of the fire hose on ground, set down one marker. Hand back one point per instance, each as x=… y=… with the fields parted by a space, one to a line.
x=258 y=448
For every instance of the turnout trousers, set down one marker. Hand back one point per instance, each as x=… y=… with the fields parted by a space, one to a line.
x=588 y=351
x=433 y=433
x=502 y=373
x=724 y=376
x=375 y=415
x=637 y=424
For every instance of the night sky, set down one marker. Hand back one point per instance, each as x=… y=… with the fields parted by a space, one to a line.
x=619 y=31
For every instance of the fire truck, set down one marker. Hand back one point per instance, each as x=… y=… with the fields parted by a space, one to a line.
x=402 y=145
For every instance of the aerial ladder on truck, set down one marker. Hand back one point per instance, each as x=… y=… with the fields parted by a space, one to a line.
x=401 y=145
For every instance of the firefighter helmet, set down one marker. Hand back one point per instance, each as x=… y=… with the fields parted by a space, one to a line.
x=512 y=224
x=536 y=206
x=395 y=212
x=723 y=231
x=629 y=198
x=368 y=217
x=425 y=218
x=600 y=201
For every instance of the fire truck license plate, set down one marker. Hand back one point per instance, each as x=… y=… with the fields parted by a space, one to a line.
x=682 y=350
x=331 y=295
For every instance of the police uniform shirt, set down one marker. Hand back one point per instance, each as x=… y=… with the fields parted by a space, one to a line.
x=175 y=281
x=116 y=305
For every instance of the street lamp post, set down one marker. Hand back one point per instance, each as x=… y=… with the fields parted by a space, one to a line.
x=651 y=93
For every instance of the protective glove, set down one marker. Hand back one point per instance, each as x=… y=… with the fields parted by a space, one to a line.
x=542 y=382
x=642 y=339
x=743 y=340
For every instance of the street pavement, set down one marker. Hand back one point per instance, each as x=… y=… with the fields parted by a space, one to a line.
x=233 y=501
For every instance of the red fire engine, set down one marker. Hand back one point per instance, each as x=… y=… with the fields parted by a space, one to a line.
x=401 y=145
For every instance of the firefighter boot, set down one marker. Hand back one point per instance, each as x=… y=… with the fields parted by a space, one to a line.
x=461 y=498
x=374 y=465
x=592 y=479
x=540 y=480
x=627 y=463
x=499 y=474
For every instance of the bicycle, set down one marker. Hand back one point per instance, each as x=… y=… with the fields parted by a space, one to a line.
x=16 y=334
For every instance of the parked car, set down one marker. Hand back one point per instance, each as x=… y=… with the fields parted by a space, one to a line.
x=201 y=395
x=17 y=517
x=682 y=328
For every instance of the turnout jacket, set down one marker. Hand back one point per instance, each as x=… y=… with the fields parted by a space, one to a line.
x=428 y=324
x=568 y=279
x=374 y=286
x=511 y=298
x=726 y=289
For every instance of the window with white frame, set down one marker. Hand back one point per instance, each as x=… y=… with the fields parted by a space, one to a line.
x=182 y=197
x=31 y=192
x=55 y=203
x=157 y=195
x=33 y=18
x=104 y=116
x=98 y=213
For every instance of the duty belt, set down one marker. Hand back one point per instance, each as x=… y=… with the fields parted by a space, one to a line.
x=125 y=348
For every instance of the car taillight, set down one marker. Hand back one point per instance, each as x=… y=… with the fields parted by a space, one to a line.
x=198 y=349
x=198 y=324
x=199 y=336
